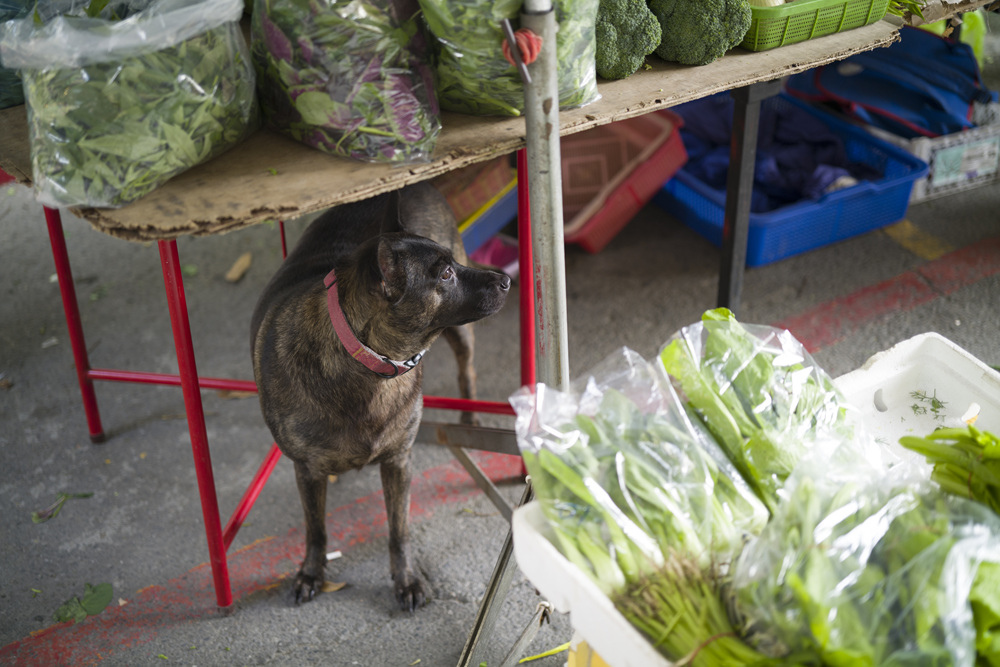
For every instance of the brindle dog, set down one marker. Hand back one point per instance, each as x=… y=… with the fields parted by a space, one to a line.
x=331 y=394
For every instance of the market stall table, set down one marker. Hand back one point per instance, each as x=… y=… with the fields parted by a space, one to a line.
x=271 y=177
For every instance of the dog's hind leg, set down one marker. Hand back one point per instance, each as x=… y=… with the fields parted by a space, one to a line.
x=408 y=586
x=462 y=342
x=312 y=491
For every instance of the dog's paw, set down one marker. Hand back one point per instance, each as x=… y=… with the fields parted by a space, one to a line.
x=410 y=593
x=307 y=587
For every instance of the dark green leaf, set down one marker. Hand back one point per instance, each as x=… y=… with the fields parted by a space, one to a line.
x=96 y=598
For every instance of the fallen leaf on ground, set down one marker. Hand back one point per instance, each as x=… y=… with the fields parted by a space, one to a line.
x=52 y=511
x=95 y=599
x=331 y=586
x=239 y=267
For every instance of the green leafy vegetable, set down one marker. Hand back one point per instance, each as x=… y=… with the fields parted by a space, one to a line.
x=473 y=77
x=966 y=462
x=681 y=609
x=759 y=393
x=113 y=128
x=347 y=77
x=11 y=89
x=95 y=599
x=864 y=572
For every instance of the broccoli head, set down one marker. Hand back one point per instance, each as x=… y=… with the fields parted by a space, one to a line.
x=696 y=32
x=626 y=33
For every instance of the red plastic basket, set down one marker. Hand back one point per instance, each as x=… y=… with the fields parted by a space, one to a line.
x=610 y=172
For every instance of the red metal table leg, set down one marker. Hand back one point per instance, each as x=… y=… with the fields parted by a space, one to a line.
x=525 y=270
x=177 y=304
x=72 y=310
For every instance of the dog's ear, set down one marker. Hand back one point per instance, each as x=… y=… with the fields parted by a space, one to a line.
x=391 y=219
x=393 y=275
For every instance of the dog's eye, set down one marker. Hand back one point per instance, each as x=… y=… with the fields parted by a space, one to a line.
x=447 y=274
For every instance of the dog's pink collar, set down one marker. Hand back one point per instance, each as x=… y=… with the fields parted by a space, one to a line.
x=374 y=361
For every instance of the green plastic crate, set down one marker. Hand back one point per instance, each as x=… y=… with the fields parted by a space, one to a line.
x=800 y=20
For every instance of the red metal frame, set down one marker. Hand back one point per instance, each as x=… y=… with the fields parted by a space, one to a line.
x=219 y=538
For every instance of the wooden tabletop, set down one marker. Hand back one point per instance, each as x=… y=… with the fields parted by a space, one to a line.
x=269 y=176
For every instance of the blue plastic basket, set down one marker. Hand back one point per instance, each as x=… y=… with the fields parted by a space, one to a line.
x=807 y=224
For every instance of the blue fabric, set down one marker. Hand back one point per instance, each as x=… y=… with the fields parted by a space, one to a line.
x=798 y=156
x=922 y=85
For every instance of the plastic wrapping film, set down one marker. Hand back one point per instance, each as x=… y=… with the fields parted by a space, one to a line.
x=11 y=90
x=473 y=77
x=626 y=478
x=866 y=565
x=762 y=395
x=120 y=103
x=348 y=77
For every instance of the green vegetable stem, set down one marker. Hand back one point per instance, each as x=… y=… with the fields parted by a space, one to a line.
x=681 y=608
x=966 y=462
x=107 y=133
x=347 y=77
x=473 y=77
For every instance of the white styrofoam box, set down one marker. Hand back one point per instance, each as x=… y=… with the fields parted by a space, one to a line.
x=958 y=161
x=592 y=613
x=891 y=390
x=894 y=388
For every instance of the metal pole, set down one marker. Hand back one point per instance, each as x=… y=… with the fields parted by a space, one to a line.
x=541 y=115
x=739 y=188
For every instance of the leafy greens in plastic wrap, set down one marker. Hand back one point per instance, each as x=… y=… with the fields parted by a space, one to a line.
x=121 y=102
x=346 y=77
x=856 y=568
x=640 y=499
x=11 y=89
x=475 y=78
x=622 y=465
x=760 y=394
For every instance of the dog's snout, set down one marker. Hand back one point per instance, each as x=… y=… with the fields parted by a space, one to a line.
x=504 y=282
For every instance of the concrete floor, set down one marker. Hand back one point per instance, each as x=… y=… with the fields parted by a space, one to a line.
x=141 y=530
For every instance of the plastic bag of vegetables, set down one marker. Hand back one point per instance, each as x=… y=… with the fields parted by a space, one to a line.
x=761 y=394
x=348 y=77
x=123 y=96
x=474 y=78
x=11 y=90
x=861 y=565
x=641 y=500
x=627 y=476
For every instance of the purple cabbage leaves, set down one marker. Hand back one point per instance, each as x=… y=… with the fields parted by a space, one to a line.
x=346 y=77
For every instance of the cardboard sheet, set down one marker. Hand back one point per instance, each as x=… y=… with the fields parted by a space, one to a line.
x=272 y=177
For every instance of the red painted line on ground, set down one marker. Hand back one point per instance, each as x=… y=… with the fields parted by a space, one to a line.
x=834 y=320
x=255 y=567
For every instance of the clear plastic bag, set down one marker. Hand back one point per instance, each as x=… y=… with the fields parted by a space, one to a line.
x=626 y=478
x=863 y=565
x=120 y=103
x=761 y=395
x=11 y=90
x=348 y=77
x=474 y=78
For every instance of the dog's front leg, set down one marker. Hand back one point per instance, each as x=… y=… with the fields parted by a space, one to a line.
x=396 y=486
x=312 y=491
x=461 y=339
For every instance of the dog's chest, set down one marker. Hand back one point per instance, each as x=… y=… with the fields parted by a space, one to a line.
x=367 y=429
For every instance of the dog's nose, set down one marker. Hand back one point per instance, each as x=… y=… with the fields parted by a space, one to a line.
x=504 y=282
